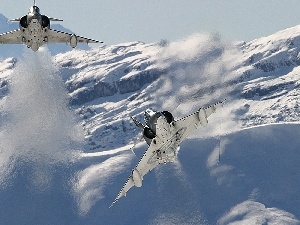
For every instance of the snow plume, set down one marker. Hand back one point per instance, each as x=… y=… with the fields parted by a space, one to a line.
x=90 y=183
x=39 y=129
x=173 y=176
x=250 y=212
x=197 y=68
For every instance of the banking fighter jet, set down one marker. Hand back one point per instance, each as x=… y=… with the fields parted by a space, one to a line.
x=163 y=135
x=35 y=31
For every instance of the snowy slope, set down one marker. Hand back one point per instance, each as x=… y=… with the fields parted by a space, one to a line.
x=51 y=173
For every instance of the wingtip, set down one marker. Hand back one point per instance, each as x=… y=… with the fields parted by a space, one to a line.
x=121 y=194
x=94 y=42
x=111 y=205
x=221 y=103
x=114 y=202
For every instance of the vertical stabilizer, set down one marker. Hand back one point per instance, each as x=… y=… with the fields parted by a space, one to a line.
x=137 y=123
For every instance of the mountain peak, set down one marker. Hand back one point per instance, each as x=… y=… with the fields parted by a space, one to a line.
x=2 y=17
x=283 y=35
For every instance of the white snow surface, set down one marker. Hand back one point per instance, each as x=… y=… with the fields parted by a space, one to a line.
x=64 y=161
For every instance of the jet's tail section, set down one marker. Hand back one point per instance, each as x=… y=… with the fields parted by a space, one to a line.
x=15 y=20
x=137 y=123
x=50 y=18
x=54 y=19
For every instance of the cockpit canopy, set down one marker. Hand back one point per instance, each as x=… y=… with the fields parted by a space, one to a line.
x=151 y=117
x=34 y=10
x=148 y=114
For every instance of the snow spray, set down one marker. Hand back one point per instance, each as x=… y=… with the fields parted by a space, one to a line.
x=39 y=127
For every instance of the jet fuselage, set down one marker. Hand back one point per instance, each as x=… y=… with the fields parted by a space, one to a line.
x=34 y=27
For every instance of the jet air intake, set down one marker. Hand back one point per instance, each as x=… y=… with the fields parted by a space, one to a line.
x=169 y=117
x=23 y=22
x=45 y=21
x=148 y=133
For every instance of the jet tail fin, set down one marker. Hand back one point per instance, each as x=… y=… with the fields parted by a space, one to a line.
x=54 y=19
x=137 y=123
x=15 y=20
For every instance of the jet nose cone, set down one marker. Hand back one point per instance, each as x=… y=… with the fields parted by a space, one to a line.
x=34 y=10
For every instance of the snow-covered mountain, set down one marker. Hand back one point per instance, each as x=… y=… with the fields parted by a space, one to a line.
x=240 y=169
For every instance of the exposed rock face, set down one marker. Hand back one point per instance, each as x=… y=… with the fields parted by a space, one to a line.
x=122 y=86
x=261 y=90
x=122 y=69
x=138 y=81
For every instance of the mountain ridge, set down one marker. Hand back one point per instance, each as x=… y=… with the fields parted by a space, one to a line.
x=255 y=134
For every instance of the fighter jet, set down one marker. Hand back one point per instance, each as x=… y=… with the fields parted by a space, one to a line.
x=35 y=31
x=163 y=135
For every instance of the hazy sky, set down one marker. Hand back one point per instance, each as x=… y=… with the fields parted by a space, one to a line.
x=117 y=21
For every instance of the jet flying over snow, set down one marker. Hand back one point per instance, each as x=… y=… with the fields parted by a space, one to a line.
x=35 y=31
x=163 y=135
